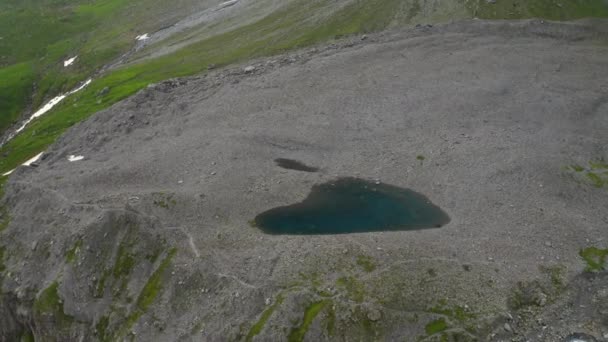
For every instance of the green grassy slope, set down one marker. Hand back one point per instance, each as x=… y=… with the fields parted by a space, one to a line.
x=295 y=25
x=38 y=35
x=14 y=88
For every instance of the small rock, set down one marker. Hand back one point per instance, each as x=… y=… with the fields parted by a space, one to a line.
x=508 y=328
x=180 y=181
x=374 y=315
x=548 y=243
x=249 y=69
x=542 y=299
x=364 y=37
x=267 y=301
x=104 y=91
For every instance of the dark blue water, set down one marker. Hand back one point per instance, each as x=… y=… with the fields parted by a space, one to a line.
x=352 y=205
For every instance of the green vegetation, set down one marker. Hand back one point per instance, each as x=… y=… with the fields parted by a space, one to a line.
x=154 y=285
x=596 y=173
x=297 y=334
x=436 y=326
x=595 y=258
x=102 y=329
x=164 y=201
x=49 y=302
x=366 y=262
x=146 y=297
x=70 y=255
x=456 y=312
x=548 y=9
x=259 y=325
x=27 y=336
x=37 y=36
x=595 y=179
x=15 y=87
x=556 y=276
x=125 y=261
x=123 y=265
x=101 y=284
x=330 y=319
x=355 y=290
x=5 y=218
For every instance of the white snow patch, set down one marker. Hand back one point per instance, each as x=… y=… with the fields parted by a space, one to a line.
x=27 y=163
x=49 y=105
x=143 y=37
x=82 y=86
x=33 y=160
x=228 y=3
x=69 y=62
x=74 y=158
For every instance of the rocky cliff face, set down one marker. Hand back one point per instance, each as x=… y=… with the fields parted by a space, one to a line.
x=148 y=237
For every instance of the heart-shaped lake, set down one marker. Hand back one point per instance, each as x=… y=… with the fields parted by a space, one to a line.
x=353 y=205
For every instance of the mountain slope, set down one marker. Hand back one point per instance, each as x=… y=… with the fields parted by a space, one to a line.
x=190 y=37
x=149 y=236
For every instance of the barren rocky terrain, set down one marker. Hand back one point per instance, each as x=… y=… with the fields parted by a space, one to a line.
x=149 y=237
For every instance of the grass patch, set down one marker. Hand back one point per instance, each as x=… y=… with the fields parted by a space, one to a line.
x=595 y=173
x=102 y=329
x=436 y=326
x=548 y=9
x=164 y=201
x=556 y=276
x=5 y=218
x=259 y=325
x=125 y=262
x=595 y=179
x=101 y=284
x=153 y=286
x=146 y=297
x=595 y=258
x=27 y=336
x=297 y=334
x=49 y=302
x=330 y=320
x=355 y=290
x=71 y=254
x=456 y=312
x=366 y=262
x=15 y=88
